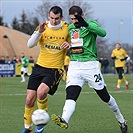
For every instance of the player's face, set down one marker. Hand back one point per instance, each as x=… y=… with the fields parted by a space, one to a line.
x=74 y=20
x=54 y=18
x=22 y=55
x=118 y=46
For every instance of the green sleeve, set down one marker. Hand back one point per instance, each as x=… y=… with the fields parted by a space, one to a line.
x=95 y=28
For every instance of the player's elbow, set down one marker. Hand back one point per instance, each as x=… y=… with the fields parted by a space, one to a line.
x=30 y=44
x=103 y=33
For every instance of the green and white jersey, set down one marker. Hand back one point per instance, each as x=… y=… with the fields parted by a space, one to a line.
x=24 y=61
x=83 y=41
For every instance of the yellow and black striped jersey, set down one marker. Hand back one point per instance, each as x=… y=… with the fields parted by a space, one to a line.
x=119 y=54
x=51 y=55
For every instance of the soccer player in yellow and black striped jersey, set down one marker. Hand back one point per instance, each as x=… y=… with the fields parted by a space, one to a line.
x=54 y=40
x=119 y=55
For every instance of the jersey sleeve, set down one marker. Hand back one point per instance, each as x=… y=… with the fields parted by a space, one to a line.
x=113 y=54
x=95 y=28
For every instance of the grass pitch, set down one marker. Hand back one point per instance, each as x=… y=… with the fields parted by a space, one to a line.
x=91 y=114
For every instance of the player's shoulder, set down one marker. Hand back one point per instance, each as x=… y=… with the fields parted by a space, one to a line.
x=64 y=23
x=122 y=49
x=91 y=21
x=114 y=50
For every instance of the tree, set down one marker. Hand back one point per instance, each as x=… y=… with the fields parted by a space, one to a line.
x=86 y=7
x=1 y=21
x=27 y=23
x=15 y=24
x=24 y=24
x=42 y=10
x=35 y=23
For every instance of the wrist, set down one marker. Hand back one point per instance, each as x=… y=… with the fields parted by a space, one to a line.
x=38 y=32
x=86 y=25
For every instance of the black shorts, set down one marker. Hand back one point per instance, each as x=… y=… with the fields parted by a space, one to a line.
x=120 y=72
x=51 y=77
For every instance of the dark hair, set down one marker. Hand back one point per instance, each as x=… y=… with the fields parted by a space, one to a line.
x=75 y=9
x=56 y=10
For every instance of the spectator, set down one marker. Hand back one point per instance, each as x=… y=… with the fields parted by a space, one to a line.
x=7 y=60
x=101 y=63
x=2 y=60
x=31 y=60
x=105 y=65
x=14 y=60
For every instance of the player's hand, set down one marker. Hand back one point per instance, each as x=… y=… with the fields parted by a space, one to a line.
x=122 y=59
x=65 y=45
x=42 y=27
x=19 y=65
x=81 y=20
x=114 y=57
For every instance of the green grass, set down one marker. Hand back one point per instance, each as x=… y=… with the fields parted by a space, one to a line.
x=91 y=114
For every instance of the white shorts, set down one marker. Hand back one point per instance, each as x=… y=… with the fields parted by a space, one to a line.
x=81 y=72
x=24 y=69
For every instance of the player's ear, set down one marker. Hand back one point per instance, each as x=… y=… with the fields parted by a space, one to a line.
x=62 y=17
x=48 y=16
x=82 y=15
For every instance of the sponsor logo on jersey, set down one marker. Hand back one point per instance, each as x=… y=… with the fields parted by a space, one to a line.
x=54 y=37
x=75 y=34
x=52 y=48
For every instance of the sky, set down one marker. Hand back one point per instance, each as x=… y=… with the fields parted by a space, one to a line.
x=115 y=15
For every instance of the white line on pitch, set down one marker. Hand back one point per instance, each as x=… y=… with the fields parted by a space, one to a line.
x=119 y=91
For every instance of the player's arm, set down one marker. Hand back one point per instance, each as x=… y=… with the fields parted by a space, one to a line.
x=35 y=36
x=19 y=64
x=113 y=56
x=65 y=45
x=95 y=28
x=91 y=25
x=123 y=59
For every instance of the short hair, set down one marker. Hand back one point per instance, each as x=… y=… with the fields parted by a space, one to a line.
x=75 y=9
x=118 y=43
x=56 y=10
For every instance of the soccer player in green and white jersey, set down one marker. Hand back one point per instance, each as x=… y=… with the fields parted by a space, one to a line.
x=24 y=69
x=84 y=67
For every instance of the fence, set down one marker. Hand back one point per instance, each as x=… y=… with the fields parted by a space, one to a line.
x=13 y=69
